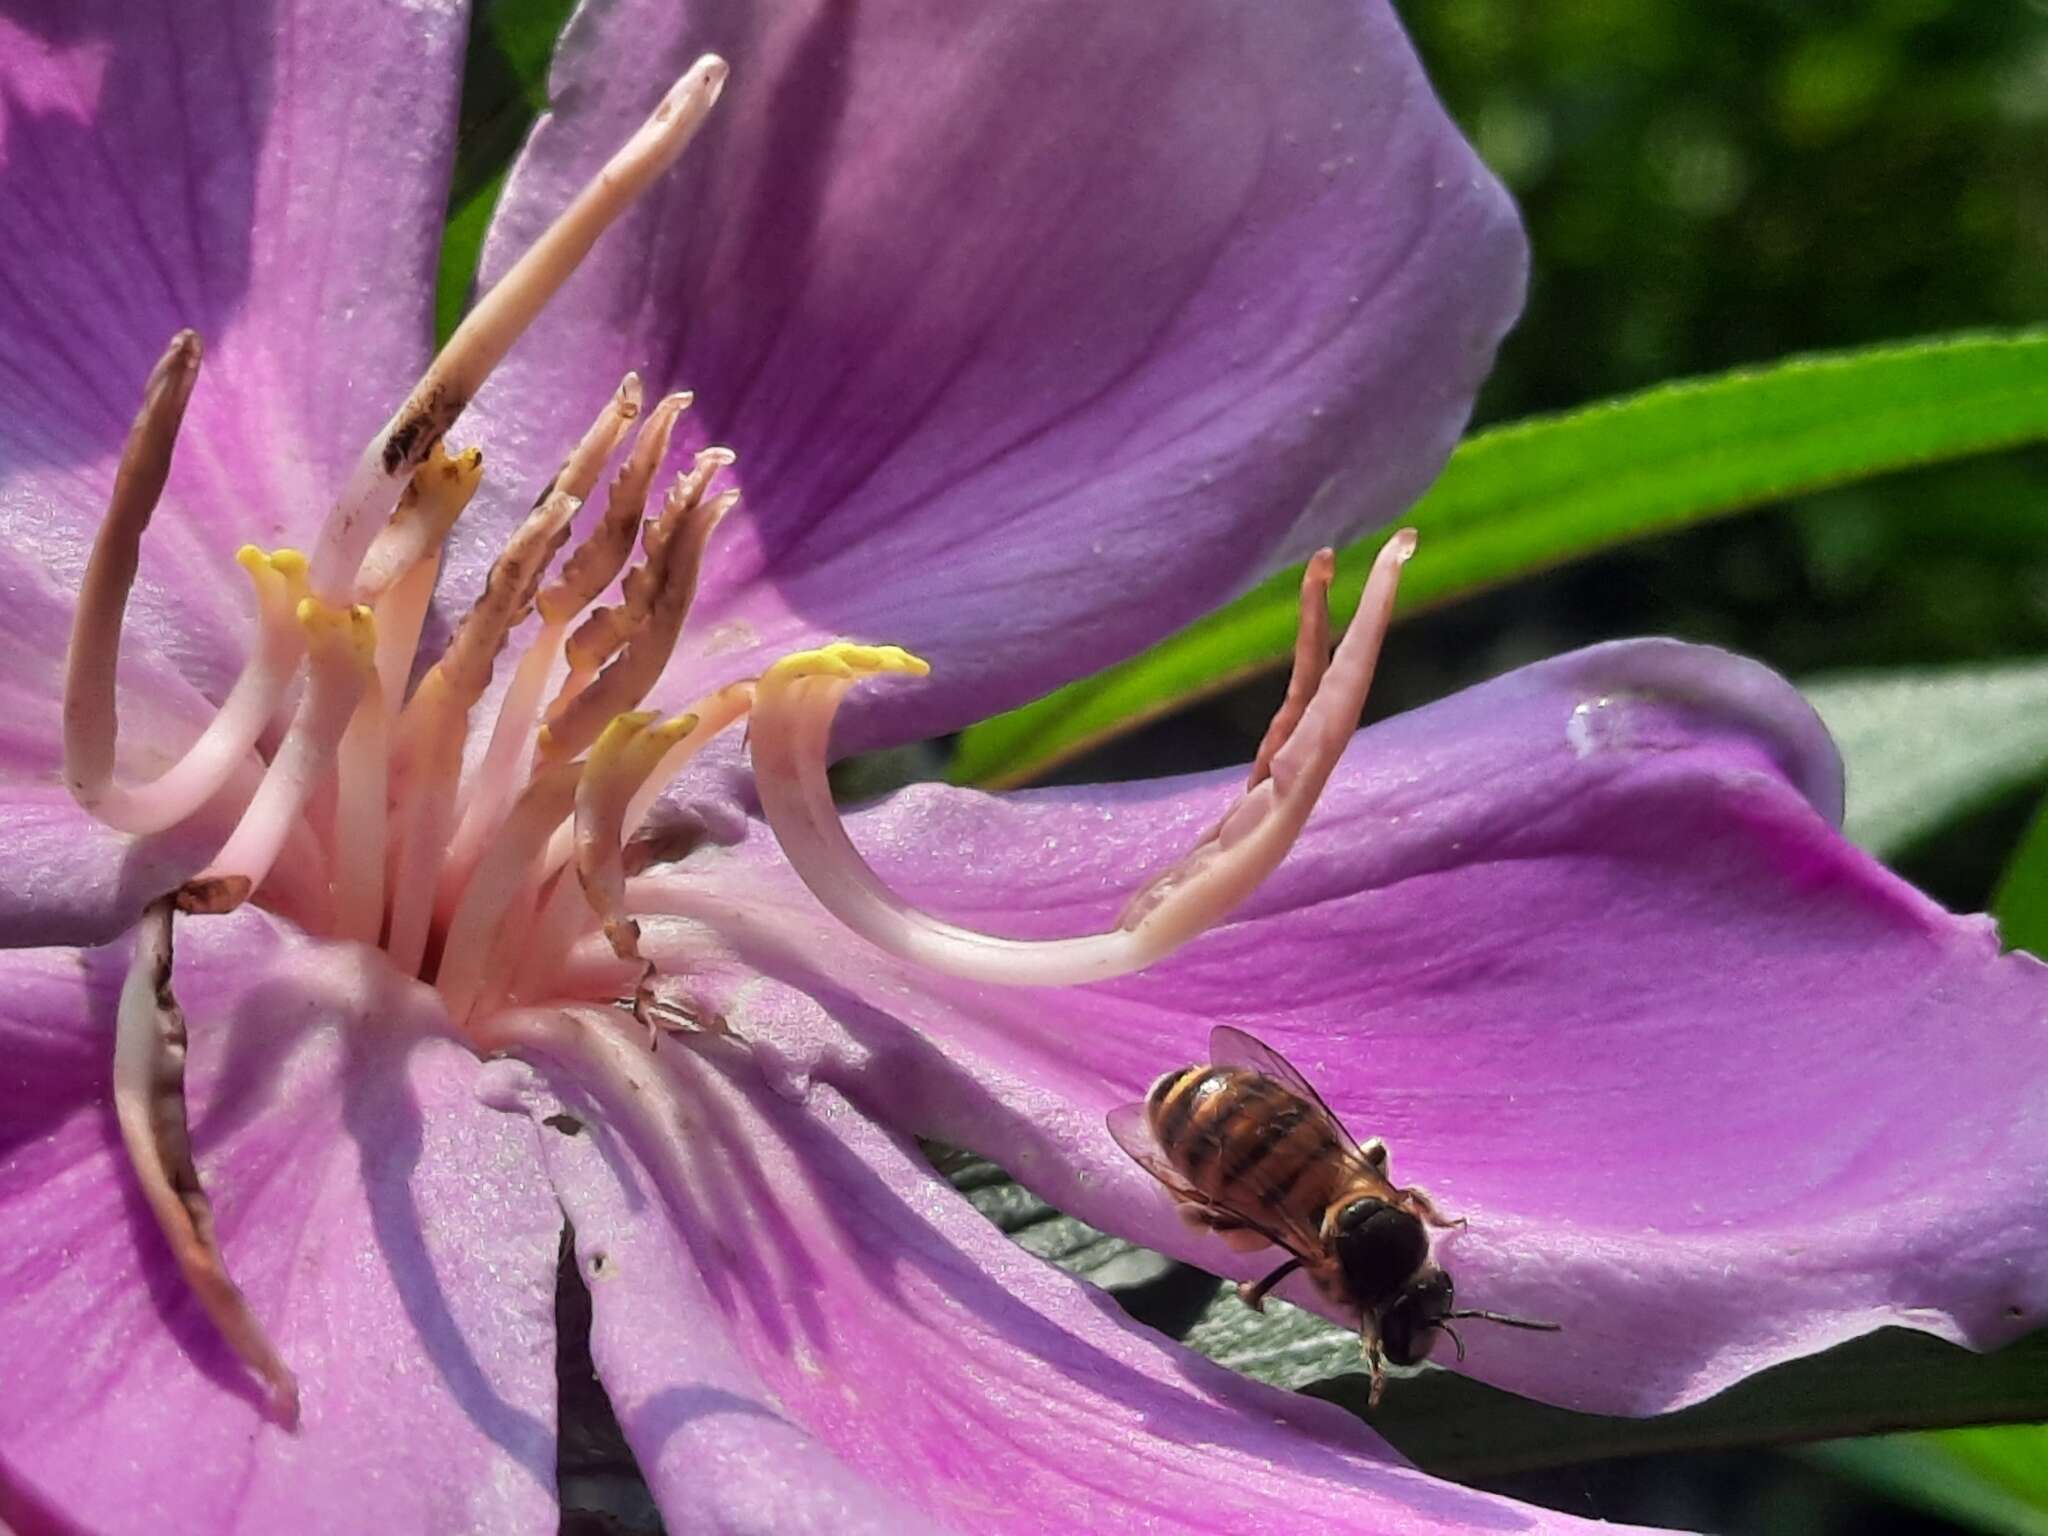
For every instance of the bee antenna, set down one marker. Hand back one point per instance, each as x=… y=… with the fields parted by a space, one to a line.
x=1506 y=1321
x=1447 y=1328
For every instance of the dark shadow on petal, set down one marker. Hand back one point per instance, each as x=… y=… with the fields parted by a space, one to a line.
x=666 y=1412
x=26 y=1512
x=46 y=1089
x=622 y=1166
x=383 y=1119
x=743 y=1200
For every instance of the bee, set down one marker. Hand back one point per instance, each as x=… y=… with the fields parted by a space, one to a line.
x=1250 y=1151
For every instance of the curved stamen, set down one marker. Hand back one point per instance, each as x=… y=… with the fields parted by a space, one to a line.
x=792 y=722
x=605 y=630
x=1311 y=661
x=428 y=756
x=91 y=725
x=341 y=647
x=503 y=881
x=149 y=1104
x=361 y=820
x=566 y=913
x=434 y=498
x=625 y=754
x=499 y=317
x=586 y=461
x=224 y=747
x=675 y=557
x=587 y=571
x=713 y=713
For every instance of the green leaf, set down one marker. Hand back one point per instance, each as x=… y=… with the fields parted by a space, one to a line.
x=1066 y=1241
x=1923 y=747
x=2021 y=901
x=1454 y=1426
x=1993 y=1480
x=1519 y=498
x=504 y=88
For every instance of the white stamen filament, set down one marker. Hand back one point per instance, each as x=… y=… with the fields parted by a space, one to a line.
x=498 y=320
x=401 y=614
x=361 y=820
x=90 y=721
x=428 y=756
x=504 y=878
x=340 y=653
x=624 y=754
x=434 y=499
x=792 y=722
x=226 y=745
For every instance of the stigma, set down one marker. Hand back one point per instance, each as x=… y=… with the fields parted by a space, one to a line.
x=472 y=814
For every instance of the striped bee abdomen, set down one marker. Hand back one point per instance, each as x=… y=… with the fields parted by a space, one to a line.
x=1240 y=1138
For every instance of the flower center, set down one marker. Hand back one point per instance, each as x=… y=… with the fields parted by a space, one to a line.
x=510 y=887
x=353 y=816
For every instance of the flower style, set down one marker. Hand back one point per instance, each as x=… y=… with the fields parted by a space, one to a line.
x=1032 y=334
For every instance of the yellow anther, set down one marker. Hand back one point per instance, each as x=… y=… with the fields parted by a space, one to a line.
x=672 y=730
x=618 y=731
x=632 y=743
x=651 y=745
x=294 y=568
x=845 y=659
x=331 y=628
x=278 y=578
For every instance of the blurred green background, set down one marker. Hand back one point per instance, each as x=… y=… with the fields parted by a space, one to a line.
x=1707 y=187
x=1704 y=186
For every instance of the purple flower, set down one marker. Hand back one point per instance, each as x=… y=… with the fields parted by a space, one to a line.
x=1035 y=332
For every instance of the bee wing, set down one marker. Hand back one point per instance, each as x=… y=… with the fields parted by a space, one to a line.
x=1232 y=1047
x=1131 y=1128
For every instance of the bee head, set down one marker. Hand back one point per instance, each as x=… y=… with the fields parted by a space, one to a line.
x=1409 y=1326
x=1413 y=1319
x=1380 y=1247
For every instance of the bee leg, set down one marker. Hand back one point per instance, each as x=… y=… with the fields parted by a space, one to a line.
x=1254 y=1295
x=1423 y=1206
x=1375 y=1362
x=1375 y=1152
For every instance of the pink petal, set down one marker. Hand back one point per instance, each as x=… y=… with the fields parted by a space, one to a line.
x=394 y=1236
x=1038 y=330
x=272 y=172
x=804 y=1329
x=1713 y=1088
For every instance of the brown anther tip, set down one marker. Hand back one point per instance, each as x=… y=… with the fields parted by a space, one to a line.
x=623 y=934
x=284 y=1402
x=213 y=895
